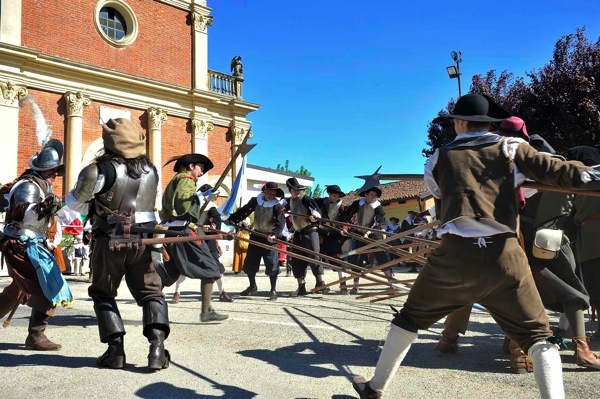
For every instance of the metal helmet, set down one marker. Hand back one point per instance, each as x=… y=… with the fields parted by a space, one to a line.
x=49 y=157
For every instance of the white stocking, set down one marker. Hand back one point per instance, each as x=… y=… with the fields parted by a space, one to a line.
x=220 y=283
x=547 y=370
x=180 y=280
x=396 y=346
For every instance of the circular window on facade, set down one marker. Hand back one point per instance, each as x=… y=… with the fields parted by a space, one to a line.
x=116 y=22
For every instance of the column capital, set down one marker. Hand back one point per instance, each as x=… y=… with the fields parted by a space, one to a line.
x=156 y=117
x=201 y=128
x=239 y=131
x=11 y=93
x=75 y=103
x=201 y=21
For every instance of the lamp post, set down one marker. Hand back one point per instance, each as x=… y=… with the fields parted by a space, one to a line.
x=454 y=71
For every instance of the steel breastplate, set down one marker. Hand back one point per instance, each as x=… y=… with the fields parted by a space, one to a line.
x=296 y=206
x=263 y=219
x=123 y=199
x=27 y=191
x=365 y=215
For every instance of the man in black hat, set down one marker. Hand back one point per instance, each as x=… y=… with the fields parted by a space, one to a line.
x=31 y=208
x=181 y=205
x=331 y=234
x=369 y=213
x=269 y=220
x=479 y=259
x=304 y=225
x=120 y=188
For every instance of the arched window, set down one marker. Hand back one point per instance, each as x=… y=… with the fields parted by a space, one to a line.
x=112 y=23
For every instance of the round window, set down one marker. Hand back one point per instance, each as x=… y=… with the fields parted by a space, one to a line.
x=116 y=22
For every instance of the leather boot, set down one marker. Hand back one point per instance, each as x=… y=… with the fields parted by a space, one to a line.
x=111 y=329
x=520 y=363
x=156 y=329
x=584 y=357
x=300 y=291
x=361 y=385
x=37 y=340
x=224 y=297
x=114 y=357
x=448 y=343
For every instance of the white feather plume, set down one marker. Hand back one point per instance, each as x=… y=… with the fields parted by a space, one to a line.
x=42 y=130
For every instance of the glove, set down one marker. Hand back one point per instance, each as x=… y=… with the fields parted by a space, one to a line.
x=47 y=206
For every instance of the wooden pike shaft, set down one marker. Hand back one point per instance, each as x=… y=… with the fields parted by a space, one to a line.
x=543 y=187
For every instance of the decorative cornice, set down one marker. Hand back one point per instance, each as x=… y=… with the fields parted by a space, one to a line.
x=11 y=93
x=201 y=21
x=156 y=117
x=239 y=131
x=201 y=128
x=75 y=103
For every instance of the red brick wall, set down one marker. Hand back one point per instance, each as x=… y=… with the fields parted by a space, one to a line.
x=66 y=29
x=176 y=137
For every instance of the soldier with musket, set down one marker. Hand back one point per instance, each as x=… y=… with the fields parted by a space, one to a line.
x=37 y=281
x=181 y=206
x=119 y=188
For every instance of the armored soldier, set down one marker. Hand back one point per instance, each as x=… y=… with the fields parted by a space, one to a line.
x=31 y=208
x=306 y=234
x=120 y=187
x=269 y=219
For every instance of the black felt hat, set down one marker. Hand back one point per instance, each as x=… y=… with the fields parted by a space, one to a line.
x=376 y=189
x=476 y=108
x=292 y=182
x=273 y=186
x=188 y=159
x=335 y=189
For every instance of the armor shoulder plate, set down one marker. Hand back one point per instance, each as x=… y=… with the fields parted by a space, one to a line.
x=25 y=191
x=86 y=183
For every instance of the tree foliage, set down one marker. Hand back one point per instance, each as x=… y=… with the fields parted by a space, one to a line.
x=311 y=191
x=560 y=101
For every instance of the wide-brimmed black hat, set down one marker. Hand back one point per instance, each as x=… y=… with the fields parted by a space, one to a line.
x=335 y=189
x=476 y=108
x=188 y=159
x=292 y=182
x=376 y=189
x=273 y=186
x=205 y=187
x=395 y=218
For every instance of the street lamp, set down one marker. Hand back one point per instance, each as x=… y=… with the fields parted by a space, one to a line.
x=454 y=71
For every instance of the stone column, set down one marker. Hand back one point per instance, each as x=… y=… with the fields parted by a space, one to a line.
x=156 y=117
x=10 y=22
x=201 y=21
x=74 y=143
x=201 y=127
x=9 y=115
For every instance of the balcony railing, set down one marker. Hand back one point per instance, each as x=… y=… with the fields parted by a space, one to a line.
x=225 y=84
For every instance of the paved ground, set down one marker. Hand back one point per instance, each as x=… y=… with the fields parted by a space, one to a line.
x=292 y=348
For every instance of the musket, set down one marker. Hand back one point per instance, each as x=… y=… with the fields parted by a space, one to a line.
x=117 y=243
x=6 y=322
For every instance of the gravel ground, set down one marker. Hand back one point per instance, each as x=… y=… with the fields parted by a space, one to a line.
x=290 y=348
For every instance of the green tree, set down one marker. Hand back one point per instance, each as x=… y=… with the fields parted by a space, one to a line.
x=560 y=101
x=315 y=191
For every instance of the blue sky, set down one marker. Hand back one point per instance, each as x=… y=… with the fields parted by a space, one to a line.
x=347 y=86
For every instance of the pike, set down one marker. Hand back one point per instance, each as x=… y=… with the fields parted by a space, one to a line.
x=352 y=267
x=377 y=242
x=117 y=243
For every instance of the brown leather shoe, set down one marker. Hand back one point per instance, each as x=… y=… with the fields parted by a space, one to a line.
x=43 y=344
x=175 y=299
x=447 y=344
x=361 y=385
x=225 y=298
x=520 y=363
x=584 y=357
